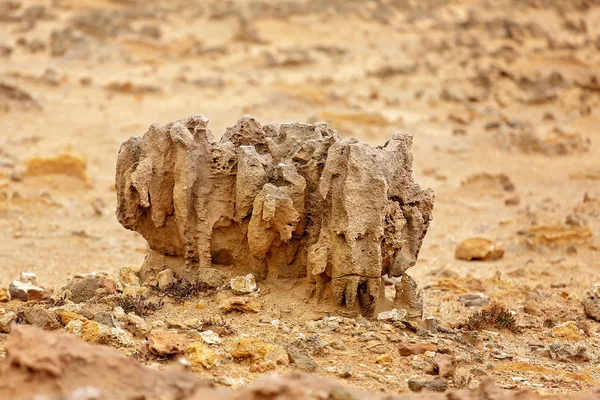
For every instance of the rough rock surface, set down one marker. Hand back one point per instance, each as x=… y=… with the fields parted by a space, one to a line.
x=64 y=367
x=278 y=201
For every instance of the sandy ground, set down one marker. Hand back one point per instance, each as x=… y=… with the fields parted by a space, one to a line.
x=486 y=87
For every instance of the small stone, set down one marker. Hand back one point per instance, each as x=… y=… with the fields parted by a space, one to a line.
x=243 y=284
x=166 y=343
x=126 y=277
x=568 y=353
x=6 y=320
x=407 y=349
x=478 y=249
x=346 y=371
x=243 y=304
x=4 y=296
x=211 y=277
x=436 y=385
x=263 y=366
x=39 y=316
x=210 y=337
x=474 y=300
x=392 y=315
x=67 y=316
x=82 y=289
x=591 y=302
x=25 y=291
x=338 y=345
x=165 y=278
x=249 y=348
x=104 y=318
x=445 y=365
x=75 y=327
x=136 y=325
x=384 y=359
x=566 y=331
x=201 y=356
x=532 y=309
x=430 y=323
x=301 y=359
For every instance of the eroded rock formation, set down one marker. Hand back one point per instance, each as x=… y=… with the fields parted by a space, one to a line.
x=280 y=201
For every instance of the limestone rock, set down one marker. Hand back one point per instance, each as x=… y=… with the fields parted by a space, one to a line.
x=406 y=349
x=126 y=277
x=6 y=319
x=42 y=318
x=165 y=343
x=4 y=297
x=165 y=278
x=243 y=284
x=278 y=201
x=478 y=249
x=566 y=331
x=82 y=288
x=392 y=315
x=25 y=291
x=249 y=348
x=591 y=302
x=201 y=356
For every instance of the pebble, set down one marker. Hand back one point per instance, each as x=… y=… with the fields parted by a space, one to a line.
x=4 y=297
x=406 y=349
x=249 y=348
x=210 y=337
x=392 y=315
x=166 y=343
x=243 y=284
x=384 y=359
x=478 y=249
x=201 y=356
x=6 y=320
x=445 y=365
x=165 y=278
x=591 y=302
x=474 y=300
x=25 y=291
x=126 y=277
x=41 y=317
x=566 y=331
x=436 y=385
x=301 y=359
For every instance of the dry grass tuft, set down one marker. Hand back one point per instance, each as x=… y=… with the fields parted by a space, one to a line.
x=495 y=315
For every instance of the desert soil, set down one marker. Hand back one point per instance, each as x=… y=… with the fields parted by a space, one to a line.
x=502 y=98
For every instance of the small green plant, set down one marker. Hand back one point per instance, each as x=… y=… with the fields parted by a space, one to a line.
x=495 y=315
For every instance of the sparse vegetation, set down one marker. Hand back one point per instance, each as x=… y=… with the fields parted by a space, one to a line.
x=183 y=290
x=139 y=305
x=495 y=315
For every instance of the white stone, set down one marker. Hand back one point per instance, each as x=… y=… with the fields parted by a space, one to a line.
x=243 y=284
x=210 y=337
x=392 y=315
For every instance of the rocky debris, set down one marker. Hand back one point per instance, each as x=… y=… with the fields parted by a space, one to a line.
x=566 y=331
x=83 y=288
x=435 y=385
x=201 y=356
x=242 y=304
x=524 y=137
x=591 y=302
x=6 y=320
x=445 y=365
x=166 y=343
x=266 y=220
x=62 y=164
x=126 y=277
x=565 y=352
x=243 y=284
x=165 y=279
x=41 y=317
x=249 y=348
x=392 y=315
x=63 y=366
x=478 y=249
x=301 y=359
x=411 y=349
x=26 y=288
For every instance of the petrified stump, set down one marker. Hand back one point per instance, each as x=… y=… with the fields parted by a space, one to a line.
x=279 y=201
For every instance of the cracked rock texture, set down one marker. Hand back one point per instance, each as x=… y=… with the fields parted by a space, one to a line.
x=278 y=201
